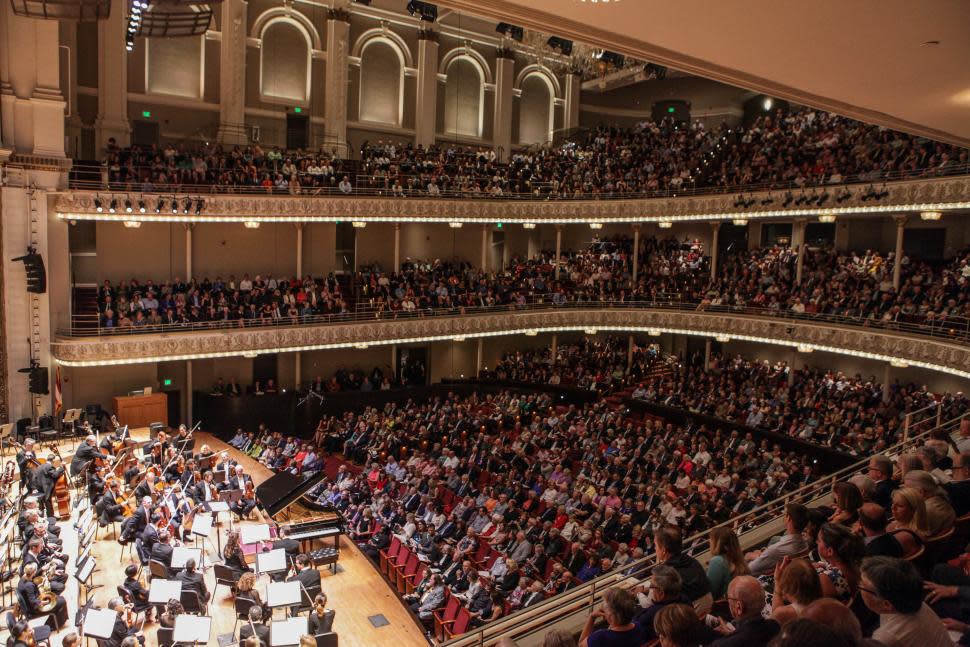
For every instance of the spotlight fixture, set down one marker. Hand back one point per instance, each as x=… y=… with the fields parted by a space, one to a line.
x=98 y=206
x=590 y=331
x=822 y=198
x=653 y=332
x=769 y=200
x=722 y=338
x=112 y=206
x=428 y=12
x=801 y=199
x=251 y=224
x=454 y=225
x=128 y=208
x=740 y=222
x=898 y=363
x=531 y=333
x=930 y=215
x=564 y=46
x=843 y=195
x=199 y=206
x=655 y=72
x=175 y=204
x=141 y=206
x=788 y=199
x=361 y=346
x=510 y=31
x=826 y=217
x=359 y=224
x=159 y=205
x=804 y=348
x=186 y=205
x=610 y=58
x=132 y=224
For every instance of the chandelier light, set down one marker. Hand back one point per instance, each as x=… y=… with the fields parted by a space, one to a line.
x=740 y=222
x=251 y=224
x=132 y=224
x=931 y=215
x=826 y=217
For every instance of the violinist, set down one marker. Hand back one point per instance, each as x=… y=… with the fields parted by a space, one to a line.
x=203 y=458
x=124 y=624
x=174 y=470
x=22 y=635
x=111 y=506
x=237 y=481
x=137 y=522
x=225 y=465
x=246 y=502
x=189 y=475
x=26 y=461
x=86 y=452
x=136 y=467
x=109 y=440
x=205 y=489
x=138 y=592
x=45 y=477
x=148 y=486
x=96 y=484
x=149 y=536
x=162 y=550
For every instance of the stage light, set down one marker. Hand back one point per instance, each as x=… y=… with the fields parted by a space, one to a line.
x=595 y=225
x=97 y=205
x=159 y=205
x=359 y=224
x=251 y=224
x=455 y=225
x=826 y=217
x=665 y=224
x=931 y=215
x=528 y=225
x=564 y=46
x=510 y=31
x=428 y=12
x=128 y=208
x=132 y=224
x=141 y=206
x=112 y=206
x=740 y=222
x=199 y=206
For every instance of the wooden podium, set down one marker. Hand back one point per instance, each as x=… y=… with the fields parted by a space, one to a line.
x=142 y=410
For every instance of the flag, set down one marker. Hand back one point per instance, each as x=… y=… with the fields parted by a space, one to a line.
x=58 y=401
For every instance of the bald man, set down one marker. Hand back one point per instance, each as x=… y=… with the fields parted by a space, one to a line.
x=86 y=453
x=836 y=616
x=746 y=599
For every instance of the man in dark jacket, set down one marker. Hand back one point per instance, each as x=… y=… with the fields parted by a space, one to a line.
x=162 y=551
x=45 y=477
x=86 y=453
x=193 y=581
x=255 y=627
x=306 y=575
x=873 y=521
x=746 y=599
x=694 y=583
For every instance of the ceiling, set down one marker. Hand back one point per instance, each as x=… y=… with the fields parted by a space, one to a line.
x=867 y=59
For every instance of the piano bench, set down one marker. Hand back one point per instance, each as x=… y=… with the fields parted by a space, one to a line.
x=325 y=557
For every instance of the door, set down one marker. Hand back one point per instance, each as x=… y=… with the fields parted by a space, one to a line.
x=144 y=133
x=264 y=368
x=412 y=365
x=297 y=129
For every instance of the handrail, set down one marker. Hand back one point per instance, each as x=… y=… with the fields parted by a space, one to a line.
x=306 y=186
x=588 y=594
x=953 y=330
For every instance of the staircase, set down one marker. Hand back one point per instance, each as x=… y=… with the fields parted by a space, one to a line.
x=85 y=314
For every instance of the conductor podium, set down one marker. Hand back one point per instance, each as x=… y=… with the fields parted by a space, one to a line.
x=141 y=410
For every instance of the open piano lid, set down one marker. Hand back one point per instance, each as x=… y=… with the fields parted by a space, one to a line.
x=279 y=492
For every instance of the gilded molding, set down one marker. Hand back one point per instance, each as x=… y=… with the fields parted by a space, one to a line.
x=903 y=195
x=937 y=354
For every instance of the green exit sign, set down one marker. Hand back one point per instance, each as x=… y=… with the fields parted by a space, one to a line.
x=167 y=382
x=671 y=109
x=146 y=113
x=298 y=110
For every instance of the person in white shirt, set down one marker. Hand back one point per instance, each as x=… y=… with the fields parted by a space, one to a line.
x=345 y=186
x=893 y=589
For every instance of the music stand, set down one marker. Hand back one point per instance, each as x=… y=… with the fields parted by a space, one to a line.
x=202 y=528
x=83 y=576
x=254 y=534
x=99 y=623
x=192 y=629
x=272 y=562
x=283 y=633
x=161 y=591
x=283 y=594
x=182 y=554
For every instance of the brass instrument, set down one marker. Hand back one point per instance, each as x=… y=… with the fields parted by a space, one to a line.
x=48 y=600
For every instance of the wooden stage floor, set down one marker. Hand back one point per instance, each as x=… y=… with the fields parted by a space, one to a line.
x=356 y=591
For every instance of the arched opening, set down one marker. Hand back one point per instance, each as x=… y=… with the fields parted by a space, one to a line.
x=535 y=110
x=381 y=82
x=285 y=61
x=464 y=90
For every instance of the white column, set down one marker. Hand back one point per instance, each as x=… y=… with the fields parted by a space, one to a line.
x=532 y=243
x=426 y=118
x=707 y=354
x=798 y=244
x=335 y=95
x=112 y=119
x=629 y=353
x=397 y=247
x=299 y=253
x=31 y=103
x=715 y=229
x=502 y=123
x=393 y=362
x=558 y=248
x=297 y=370
x=484 y=264
x=232 y=73
x=636 y=252
x=188 y=393
x=573 y=86
x=188 y=251
x=555 y=346
x=897 y=262
x=479 y=356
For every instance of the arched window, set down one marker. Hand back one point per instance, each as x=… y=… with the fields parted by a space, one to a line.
x=535 y=110
x=175 y=66
x=284 y=58
x=464 y=94
x=381 y=81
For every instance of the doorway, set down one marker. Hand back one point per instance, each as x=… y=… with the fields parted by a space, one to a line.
x=297 y=130
x=412 y=365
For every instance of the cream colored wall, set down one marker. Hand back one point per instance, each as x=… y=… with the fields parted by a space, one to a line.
x=319 y=241
x=224 y=250
x=100 y=385
x=375 y=243
x=155 y=250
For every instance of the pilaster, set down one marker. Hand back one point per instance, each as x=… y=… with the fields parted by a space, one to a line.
x=113 y=80
x=232 y=73
x=335 y=96
x=426 y=103
x=504 y=80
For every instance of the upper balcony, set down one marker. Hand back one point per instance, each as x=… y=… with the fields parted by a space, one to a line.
x=232 y=203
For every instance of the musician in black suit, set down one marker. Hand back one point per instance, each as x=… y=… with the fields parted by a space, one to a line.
x=147 y=486
x=121 y=630
x=25 y=458
x=137 y=522
x=193 y=581
x=162 y=550
x=86 y=453
x=205 y=490
x=291 y=546
x=306 y=575
x=255 y=627
x=108 y=508
x=44 y=478
x=137 y=591
x=149 y=536
x=28 y=592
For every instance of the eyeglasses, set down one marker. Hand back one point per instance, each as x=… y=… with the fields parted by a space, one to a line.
x=870 y=591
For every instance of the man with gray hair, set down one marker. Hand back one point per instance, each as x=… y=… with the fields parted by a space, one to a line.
x=662 y=589
x=939 y=513
x=86 y=452
x=746 y=599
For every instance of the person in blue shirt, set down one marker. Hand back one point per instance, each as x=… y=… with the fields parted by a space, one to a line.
x=619 y=608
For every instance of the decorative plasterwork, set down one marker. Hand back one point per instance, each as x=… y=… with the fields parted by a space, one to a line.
x=910 y=195
x=861 y=342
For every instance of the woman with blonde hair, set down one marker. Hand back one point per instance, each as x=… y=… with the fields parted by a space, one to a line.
x=727 y=562
x=797 y=584
x=909 y=519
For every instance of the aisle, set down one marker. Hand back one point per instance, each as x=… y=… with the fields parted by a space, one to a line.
x=356 y=591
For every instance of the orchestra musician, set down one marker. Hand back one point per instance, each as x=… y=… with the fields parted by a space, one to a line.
x=96 y=483
x=237 y=481
x=138 y=592
x=205 y=489
x=111 y=506
x=22 y=635
x=47 y=564
x=162 y=550
x=233 y=557
x=44 y=479
x=25 y=461
x=246 y=503
x=136 y=468
x=135 y=524
x=86 y=452
x=124 y=624
x=29 y=592
x=30 y=505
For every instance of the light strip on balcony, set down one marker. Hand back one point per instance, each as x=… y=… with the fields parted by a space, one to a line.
x=651 y=330
x=634 y=216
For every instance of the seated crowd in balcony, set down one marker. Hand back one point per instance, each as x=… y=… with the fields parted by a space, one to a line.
x=509 y=500
x=845 y=412
x=799 y=148
x=848 y=284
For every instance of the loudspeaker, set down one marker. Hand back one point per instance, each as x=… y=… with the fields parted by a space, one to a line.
x=154 y=428
x=39 y=380
x=36 y=274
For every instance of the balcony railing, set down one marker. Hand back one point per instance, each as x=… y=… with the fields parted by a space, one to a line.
x=371 y=185
x=569 y=609
x=952 y=330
